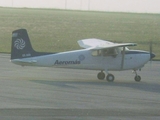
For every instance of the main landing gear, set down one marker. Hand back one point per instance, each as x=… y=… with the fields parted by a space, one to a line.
x=109 y=77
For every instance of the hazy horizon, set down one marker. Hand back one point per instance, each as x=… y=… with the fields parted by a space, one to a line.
x=140 y=6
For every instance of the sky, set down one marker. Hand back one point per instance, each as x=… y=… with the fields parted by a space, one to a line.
x=140 y=6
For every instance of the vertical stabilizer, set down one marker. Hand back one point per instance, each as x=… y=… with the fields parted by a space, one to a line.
x=21 y=46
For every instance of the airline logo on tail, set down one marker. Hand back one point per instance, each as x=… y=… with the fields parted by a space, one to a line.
x=19 y=44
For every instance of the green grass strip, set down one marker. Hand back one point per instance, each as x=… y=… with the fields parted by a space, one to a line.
x=53 y=30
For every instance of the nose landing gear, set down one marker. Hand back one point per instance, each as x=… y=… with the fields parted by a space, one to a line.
x=137 y=78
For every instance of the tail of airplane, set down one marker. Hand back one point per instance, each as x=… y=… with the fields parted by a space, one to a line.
x=21 y=46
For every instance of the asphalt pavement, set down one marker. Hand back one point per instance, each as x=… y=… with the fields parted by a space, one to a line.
x=40 y=93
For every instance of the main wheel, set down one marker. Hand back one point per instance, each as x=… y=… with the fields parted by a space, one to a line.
x=110 y=78
x=137 y=78
x=101 y=75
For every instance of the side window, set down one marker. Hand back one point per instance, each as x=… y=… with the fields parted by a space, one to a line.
x=96 y=53
x=110 y=52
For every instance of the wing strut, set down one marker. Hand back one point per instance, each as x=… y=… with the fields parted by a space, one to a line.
x=122 y=62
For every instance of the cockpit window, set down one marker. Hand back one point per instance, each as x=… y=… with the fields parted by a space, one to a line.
x=110 y=52
x=97 y=53
x=107 y=52
x=121 y=48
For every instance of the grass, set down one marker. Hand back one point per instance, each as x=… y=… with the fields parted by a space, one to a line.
x=58 y=30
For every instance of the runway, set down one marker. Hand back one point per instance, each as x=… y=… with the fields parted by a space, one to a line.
x=64 y=94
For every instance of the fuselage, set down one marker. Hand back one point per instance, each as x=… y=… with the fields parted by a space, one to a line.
x=97 y=55
x=86 y=59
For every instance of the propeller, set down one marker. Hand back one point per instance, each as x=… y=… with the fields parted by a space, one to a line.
x=150 y=50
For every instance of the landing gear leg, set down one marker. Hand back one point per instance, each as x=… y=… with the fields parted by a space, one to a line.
x=101 y=75
x=137 y=78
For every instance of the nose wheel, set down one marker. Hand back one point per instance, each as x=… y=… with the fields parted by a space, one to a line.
x=109 y=77
x=137 y=78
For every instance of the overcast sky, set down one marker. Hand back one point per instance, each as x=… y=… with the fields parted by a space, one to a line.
x=152 y=6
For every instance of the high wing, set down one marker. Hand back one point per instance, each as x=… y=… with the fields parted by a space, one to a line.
x=97 y=44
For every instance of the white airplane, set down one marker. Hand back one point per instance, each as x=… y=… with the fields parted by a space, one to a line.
x=98 y=55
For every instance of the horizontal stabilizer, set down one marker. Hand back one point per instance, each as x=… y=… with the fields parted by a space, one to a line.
x=20 y=61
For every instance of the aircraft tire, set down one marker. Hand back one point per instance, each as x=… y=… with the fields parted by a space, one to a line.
x=137 y=78
x=110 y=78
x=101 y=75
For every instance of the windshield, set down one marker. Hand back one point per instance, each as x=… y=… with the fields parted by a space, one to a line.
x=121 y=48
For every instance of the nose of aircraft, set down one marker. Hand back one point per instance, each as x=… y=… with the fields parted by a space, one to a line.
x=152 y=55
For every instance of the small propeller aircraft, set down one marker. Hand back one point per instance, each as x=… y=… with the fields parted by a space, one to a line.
x=98 y=54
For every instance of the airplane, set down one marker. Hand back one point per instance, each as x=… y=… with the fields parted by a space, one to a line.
x=97 y=54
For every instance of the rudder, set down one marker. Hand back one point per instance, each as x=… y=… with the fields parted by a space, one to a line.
x=21 y=46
